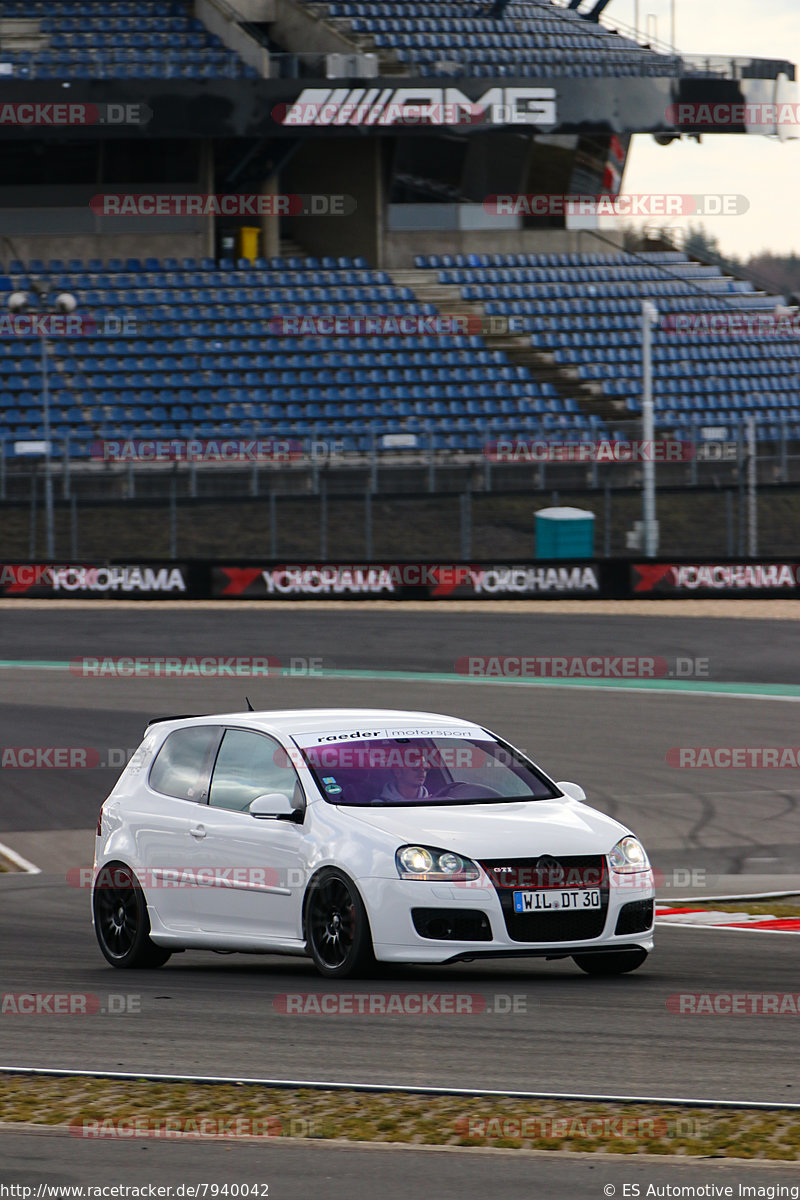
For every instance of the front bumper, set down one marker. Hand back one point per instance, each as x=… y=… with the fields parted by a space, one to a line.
x=391 y=902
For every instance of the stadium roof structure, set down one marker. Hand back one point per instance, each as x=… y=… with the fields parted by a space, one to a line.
x=356 y=65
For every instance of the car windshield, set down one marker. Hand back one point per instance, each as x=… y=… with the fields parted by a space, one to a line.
x=402 y=771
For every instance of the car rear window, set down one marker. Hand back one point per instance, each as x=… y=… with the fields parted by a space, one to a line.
x=182 y=765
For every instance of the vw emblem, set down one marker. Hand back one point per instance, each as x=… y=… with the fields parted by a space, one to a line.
x=549 y=868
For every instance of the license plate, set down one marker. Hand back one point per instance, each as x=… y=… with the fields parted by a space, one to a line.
x=557 y=900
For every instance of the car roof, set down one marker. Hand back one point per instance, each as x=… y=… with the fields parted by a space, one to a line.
x=291 y=721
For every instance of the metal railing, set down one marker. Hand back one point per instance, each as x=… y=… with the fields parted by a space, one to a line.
x=497 y=447
x=681 y=240
x=658 y=45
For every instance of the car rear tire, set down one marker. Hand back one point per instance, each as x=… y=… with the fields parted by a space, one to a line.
x=337 y=927
x=121 y=923
x=610 y=964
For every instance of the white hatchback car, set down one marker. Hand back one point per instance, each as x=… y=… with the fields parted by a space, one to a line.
x=356 y=835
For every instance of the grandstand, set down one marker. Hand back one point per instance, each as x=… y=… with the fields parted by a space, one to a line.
x=197 y=362
x=206 y=369
x=120 y=39
x=198 y=356
x=534 y=38
x=584 y=313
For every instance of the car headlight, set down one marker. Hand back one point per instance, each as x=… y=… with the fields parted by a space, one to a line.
x=628 y=856
x=424 y=862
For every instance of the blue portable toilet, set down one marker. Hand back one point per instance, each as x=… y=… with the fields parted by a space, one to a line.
x=564 y=533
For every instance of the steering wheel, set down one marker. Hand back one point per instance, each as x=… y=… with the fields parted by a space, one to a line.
x=466 y=791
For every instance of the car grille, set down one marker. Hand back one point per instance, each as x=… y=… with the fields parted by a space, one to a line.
x=532 y=874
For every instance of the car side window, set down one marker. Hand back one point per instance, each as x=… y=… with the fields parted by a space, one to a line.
x=182 y=765
x=248 y=765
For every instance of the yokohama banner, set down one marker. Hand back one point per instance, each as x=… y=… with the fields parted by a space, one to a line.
x=584 y=579
x=405 y=581
x=659 y=579
x=81 y=581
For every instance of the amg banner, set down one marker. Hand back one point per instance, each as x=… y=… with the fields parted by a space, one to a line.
x=426 y=106
x=53 y=581
x=660 y=579
x=404 y=581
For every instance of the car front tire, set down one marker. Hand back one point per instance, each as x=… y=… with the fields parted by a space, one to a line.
x=121 y=922
x=337 y=927
x=610 y=964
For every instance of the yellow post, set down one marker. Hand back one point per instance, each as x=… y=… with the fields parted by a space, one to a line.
x=247 y=242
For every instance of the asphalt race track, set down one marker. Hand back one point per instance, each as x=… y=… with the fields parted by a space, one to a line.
x=212 y=1014
x=206 y=1014
x=334 y=1171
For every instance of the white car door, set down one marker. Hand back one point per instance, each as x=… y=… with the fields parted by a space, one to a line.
x=252 y=870
x=169 y=830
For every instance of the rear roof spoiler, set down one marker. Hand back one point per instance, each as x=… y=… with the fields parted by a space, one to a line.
x=177 y=717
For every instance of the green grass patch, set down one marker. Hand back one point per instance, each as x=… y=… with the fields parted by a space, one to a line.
x=138 y=1109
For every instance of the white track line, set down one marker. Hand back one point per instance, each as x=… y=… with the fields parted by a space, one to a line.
x=733 y=899
x=400 y=1089
x=18 y=861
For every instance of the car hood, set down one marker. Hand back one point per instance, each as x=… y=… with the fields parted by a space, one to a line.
x=513 y=830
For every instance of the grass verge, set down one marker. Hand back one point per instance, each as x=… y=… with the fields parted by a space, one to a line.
x=138 y=1109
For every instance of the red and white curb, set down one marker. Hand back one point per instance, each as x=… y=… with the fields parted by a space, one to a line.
x=667 y=914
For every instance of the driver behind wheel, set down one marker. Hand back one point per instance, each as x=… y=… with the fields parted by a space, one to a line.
x=407 y=781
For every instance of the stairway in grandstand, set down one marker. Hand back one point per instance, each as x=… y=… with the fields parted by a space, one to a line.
x=519 y=348
x=586 y=311
x=362 y=41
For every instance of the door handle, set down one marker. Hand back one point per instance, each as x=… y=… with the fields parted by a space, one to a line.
x=198 y=832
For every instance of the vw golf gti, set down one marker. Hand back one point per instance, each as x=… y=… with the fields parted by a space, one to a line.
x=359 y=836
